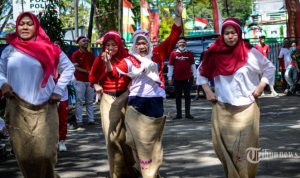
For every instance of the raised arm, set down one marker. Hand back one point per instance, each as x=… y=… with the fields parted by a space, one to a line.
x=166 y=47
x=178 y=13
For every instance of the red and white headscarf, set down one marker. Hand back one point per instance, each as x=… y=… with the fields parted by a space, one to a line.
x=221 y=59
x=147 y=65
x=40 y=47
x=145 y=34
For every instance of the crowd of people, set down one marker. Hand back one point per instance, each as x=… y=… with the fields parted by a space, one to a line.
x=35 y=73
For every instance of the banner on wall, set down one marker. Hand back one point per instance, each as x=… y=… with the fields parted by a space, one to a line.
x=34 y=6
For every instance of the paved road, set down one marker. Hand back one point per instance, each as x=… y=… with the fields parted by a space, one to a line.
x=188 y=151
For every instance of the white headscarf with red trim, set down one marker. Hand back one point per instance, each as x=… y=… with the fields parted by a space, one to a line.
x=147 y=65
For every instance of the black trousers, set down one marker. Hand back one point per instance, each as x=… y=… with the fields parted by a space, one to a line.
x=185 y=87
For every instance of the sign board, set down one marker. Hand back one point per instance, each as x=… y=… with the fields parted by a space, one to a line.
x=34 y=6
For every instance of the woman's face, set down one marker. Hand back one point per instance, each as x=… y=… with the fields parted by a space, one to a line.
x=26 y=29
x=112 y=46
x=230 y=36
x=142 y=46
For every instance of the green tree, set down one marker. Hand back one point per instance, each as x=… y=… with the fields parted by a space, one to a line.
x=6 y=12
x=4 y=4
x=106 y=16
x=51 y=23
x=106 y=13
x=240 y=9
x=165 y=24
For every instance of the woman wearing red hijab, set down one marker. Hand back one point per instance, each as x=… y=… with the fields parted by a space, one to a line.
x=235 y=67
x=28 y=66
x=113 y=104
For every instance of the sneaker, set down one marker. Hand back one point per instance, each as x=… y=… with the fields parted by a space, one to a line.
x=196 y=98
x=189 y=116
x=274 y=93
x=71 y=126
x=62 y=146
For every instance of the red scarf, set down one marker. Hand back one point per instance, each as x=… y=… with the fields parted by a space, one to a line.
x=41 y=49
x=221 y=59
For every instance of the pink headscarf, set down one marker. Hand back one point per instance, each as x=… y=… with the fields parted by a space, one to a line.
x=221 y=59
x=41 y=49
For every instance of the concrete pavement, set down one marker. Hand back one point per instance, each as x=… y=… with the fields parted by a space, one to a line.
x=188 y=151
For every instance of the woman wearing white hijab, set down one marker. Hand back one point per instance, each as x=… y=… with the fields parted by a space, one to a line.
x=144 y=118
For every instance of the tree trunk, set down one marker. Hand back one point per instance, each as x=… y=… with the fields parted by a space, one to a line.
x=227 y=7
x=76 y=17
x=90 y=28
x=6 y=19
x=120 y=19
x=97 y=18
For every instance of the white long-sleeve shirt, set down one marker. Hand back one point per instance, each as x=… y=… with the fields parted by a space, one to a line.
x=171 y=71
x=25 y=75
x=285 y=53
x=142 y=85
x=237 y=89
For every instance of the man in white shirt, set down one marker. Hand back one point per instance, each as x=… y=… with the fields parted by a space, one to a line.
x=285 y=59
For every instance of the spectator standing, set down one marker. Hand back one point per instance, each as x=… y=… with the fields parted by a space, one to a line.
x=292 y=71
x=83 y=61
x=236 y=68
x=284 y=60
x=28 y=66
x=181 y=68
x=265 y=50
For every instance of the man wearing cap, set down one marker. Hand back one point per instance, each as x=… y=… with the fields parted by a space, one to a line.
x=265 y=49
x=83 y=61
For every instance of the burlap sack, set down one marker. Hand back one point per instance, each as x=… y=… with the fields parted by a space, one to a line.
x=120 y=156
x=34 y=135
x=144 y=135
x=234 y=129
